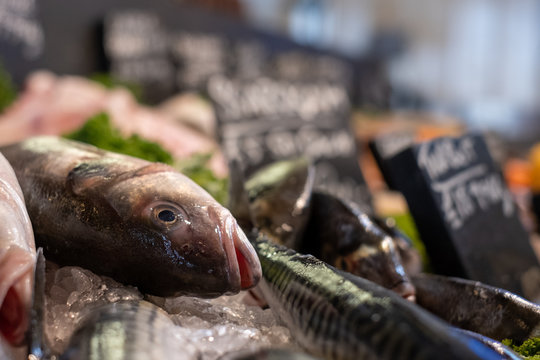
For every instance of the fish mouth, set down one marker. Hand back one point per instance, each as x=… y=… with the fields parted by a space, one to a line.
x=244 y=266
x=406 y=290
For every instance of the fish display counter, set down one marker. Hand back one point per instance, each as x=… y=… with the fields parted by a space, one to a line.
x=142 y=260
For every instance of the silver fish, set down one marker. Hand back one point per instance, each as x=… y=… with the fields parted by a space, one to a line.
x=138 y=222
x=128 y=331
x=336 y=315
x=17 y=257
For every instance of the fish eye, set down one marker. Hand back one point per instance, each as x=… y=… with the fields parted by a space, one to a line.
x=165 y=214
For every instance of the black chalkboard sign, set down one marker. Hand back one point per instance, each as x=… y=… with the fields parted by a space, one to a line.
x=198 y=57
x=465 y=214
x=302 y=65
x=21 y=37
x=384 y=146
x=264 y=120
x=136 y=46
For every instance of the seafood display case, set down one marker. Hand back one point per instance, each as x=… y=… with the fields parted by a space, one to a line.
x=194 y=180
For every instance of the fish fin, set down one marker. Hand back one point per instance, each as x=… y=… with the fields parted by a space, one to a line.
x=37 y=348
x=91 y=177
x=238 y=203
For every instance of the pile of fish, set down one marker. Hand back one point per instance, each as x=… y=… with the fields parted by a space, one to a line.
x=343 y=313
x=145 y=225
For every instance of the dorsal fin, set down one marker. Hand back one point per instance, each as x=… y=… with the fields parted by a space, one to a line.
x=37 y=348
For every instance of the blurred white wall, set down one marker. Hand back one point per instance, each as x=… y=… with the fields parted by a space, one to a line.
x=478 y=57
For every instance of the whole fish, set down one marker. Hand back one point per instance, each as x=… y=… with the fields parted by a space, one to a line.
x=128 y=331
x=138 y=222
x=279 y=200
x=336 y=315
x=339 y=233
x=471 y=305
x=17 y=257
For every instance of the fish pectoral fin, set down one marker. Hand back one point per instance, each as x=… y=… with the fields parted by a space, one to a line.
x=89 y=177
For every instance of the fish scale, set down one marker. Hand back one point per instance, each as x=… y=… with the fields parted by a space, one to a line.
x=338 y=316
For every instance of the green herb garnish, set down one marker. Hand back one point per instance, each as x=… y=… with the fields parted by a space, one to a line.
x=8 y=92
x=99 y=132
x=530 y=349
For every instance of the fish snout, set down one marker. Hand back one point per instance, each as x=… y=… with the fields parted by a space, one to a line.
x=243 y=260
x=406 y=290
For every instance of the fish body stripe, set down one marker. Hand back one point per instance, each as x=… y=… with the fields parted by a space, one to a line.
x=338 y=318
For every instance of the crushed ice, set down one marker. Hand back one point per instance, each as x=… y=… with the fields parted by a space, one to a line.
x=215 y=326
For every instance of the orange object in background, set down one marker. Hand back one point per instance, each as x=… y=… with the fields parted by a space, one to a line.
x=517 y=173
x=534 y=157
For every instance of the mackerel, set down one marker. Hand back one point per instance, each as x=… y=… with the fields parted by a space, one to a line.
x=336 y=315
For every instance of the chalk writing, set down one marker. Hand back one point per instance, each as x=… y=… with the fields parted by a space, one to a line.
x=328 y=179
x=472 y=189
x=199 y=56
x=390 y=144
x=134 y=34
x=18 y=25
x=284 y=143
x=265 y=97
x=445 y=155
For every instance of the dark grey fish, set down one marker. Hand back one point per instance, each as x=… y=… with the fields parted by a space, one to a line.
x=138 y=222
x=339 y=233
x=336 y=315
x=127 y=331
x=471 y=305
x=267 y=354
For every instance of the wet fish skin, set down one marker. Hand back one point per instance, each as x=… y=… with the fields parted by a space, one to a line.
x=410 y=258
x=127 y=331
x=339 y=233
x=348 y=317
x=138 y=222
x=267 y=354
x=279 y=199
x=504 y=351
x=17 y=257
x=471 y=305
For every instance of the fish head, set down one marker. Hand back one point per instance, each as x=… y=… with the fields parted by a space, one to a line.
x=376 y=258
x=188 y=241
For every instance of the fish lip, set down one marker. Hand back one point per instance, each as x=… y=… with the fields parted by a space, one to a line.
x=248 y=260
x=244 y=266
